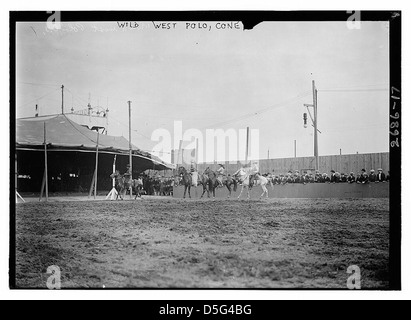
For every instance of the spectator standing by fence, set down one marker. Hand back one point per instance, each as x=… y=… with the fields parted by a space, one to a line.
x=380 y=176
x=372 y=177
x=351 y=178
x=363 y=178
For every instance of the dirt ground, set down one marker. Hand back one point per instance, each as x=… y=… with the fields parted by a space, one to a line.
x=175 y=243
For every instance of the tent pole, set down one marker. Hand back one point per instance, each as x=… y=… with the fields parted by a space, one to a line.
x=95 y=180
x=16 y=181
x=93 y=185
x=113 y=191
x=42 y=186
x=44 y=183
x=46 y=166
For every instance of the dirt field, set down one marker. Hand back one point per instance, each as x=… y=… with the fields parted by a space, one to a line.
x=168 y=243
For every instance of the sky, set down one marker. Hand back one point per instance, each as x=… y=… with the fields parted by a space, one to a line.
x=211 y=78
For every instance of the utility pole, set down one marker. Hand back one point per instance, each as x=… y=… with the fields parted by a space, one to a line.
x=317 y=162
x=196 y=158
x=62 y=99
x=295 y=148
x=130 y=147
x=247 y=145
x=315 y=124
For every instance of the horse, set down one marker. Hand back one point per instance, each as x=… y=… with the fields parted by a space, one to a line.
x=121 y=184
x=262 y=181
x=271 y=179
x=212 y=181
x=137 y=186
x=203 y=180
x=177 y=181
x=186 y=180
x=228 y=182
x=246 y=180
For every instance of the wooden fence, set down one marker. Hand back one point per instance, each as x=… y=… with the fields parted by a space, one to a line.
x=341 y=163
x=310 y=190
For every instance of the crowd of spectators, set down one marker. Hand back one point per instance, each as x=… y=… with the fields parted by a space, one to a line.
x=333 y=177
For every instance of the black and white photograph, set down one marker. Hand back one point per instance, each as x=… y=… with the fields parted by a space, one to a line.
x=205 y=150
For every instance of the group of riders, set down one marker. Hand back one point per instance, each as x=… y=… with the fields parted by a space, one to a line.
x=250 y=176
x=211 y=180
x=143 y=185
x=247 y=176
x=304 y=177
x=222 y=176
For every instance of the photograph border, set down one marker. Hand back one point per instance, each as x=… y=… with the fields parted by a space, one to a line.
x=249 y=20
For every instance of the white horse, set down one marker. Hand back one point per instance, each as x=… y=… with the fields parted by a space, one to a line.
x=244 y=177
x=262 y=181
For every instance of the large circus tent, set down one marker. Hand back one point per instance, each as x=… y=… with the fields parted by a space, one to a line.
x=71 y=155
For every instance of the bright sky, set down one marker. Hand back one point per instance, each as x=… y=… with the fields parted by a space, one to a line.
x=206 y=78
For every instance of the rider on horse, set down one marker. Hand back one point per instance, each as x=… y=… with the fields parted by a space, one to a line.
x=127 y=177
x=127 y=174
x=194 y=174
x=192 y=168
x=220 y=175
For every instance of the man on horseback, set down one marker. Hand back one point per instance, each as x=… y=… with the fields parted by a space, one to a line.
x=186 y=180
x=128 y=172
x=194 y=174
x=220 y=175
x=127 y=178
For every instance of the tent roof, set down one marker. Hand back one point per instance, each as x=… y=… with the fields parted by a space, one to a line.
x=63 y=133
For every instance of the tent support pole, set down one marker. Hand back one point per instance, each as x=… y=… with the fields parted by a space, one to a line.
x=92 y=184
x=94 y=180
x=44 y=183
x=113 y=193
x=16 y=181
x=42 y=186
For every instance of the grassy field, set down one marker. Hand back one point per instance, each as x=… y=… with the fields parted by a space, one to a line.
x=174 y=243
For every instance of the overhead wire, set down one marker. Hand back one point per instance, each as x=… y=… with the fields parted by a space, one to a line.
x=39 y=84
x=351 y=90
x=261 y=111
x=39 y=98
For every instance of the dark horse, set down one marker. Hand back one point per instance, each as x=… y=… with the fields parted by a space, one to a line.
x=228 y=182
x=121 y=184
x=212 y=181
x=187 y=180
x=203 y=180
